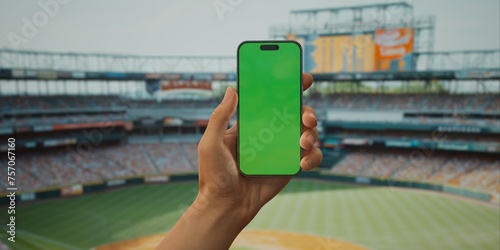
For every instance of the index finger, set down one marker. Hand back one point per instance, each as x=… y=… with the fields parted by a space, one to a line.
x=307 y=80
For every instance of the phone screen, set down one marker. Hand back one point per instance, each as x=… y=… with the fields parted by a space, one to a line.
x=269 y=108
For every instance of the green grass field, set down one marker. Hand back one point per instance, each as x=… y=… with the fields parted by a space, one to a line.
x=378 y=218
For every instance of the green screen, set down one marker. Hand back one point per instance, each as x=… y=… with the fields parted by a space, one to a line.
x=269 y=109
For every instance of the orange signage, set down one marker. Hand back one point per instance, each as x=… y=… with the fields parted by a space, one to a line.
x=393 y=49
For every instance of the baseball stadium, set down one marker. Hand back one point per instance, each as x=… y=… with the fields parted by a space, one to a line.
x=106 y=144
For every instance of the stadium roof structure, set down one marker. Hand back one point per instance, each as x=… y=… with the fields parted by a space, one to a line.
x=354 y=8
x=49 y=60
x=38 y=65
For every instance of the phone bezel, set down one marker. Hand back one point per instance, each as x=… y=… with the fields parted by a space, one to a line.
x=301 y=89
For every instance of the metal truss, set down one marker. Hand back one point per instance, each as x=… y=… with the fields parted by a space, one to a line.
x=458 y=60
x=117 y=63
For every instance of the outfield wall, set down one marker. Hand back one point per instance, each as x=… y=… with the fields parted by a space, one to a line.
x=398 y=183
x=79 y=189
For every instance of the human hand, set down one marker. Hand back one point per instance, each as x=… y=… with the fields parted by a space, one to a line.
x=220 y=182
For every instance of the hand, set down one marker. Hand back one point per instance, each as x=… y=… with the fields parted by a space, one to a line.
x=220 y=181
x=227 y=201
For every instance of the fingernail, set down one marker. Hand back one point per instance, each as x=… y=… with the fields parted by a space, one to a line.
x=311 y=114
x=316 y=144
x=311 y=140
x=228 y=95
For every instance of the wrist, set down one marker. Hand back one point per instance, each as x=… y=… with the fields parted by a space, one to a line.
x=211 y=223
x=224 y=209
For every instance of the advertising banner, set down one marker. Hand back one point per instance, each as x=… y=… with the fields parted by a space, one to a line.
x=201 y=123
x=17 y=73
x=365 y=180
x=59 y=142
x=28 y=196
x=116 y=182
x=170 y=121
x=6 y=131
x=48 y=75
x=334 y=54
x=156 y=179
x=477 y=74
x=91 y=125
x=354 y=141
x=219 y=77
x=72 y=190
x=394 y=49
x=64 y=75
x=173 y=85
x=115 y=75
x=78 y=74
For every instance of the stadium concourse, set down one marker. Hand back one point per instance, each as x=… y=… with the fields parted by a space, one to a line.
x=49 y=129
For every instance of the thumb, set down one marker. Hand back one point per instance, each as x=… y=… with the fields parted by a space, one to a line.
x=219 y=120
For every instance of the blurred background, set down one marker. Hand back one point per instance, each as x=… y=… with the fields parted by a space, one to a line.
x=107 y=101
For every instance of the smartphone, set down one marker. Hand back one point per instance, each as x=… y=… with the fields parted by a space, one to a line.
x=269 y=108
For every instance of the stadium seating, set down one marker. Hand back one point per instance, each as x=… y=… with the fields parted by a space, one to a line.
x=40 y=169
x=425 y=102
x=469 y=170
x=62 y=166
x=380 y=102
x=355 y=164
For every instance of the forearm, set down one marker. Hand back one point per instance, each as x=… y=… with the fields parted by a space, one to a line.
x=205 y=225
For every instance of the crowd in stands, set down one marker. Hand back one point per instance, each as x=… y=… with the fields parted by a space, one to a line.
x=39 y=169
x=42 y=169
x=469 y=170
x=424 y=102
x=494 y=105
x=36 y=105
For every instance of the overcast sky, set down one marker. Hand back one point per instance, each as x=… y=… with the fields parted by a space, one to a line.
x=193 y=27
